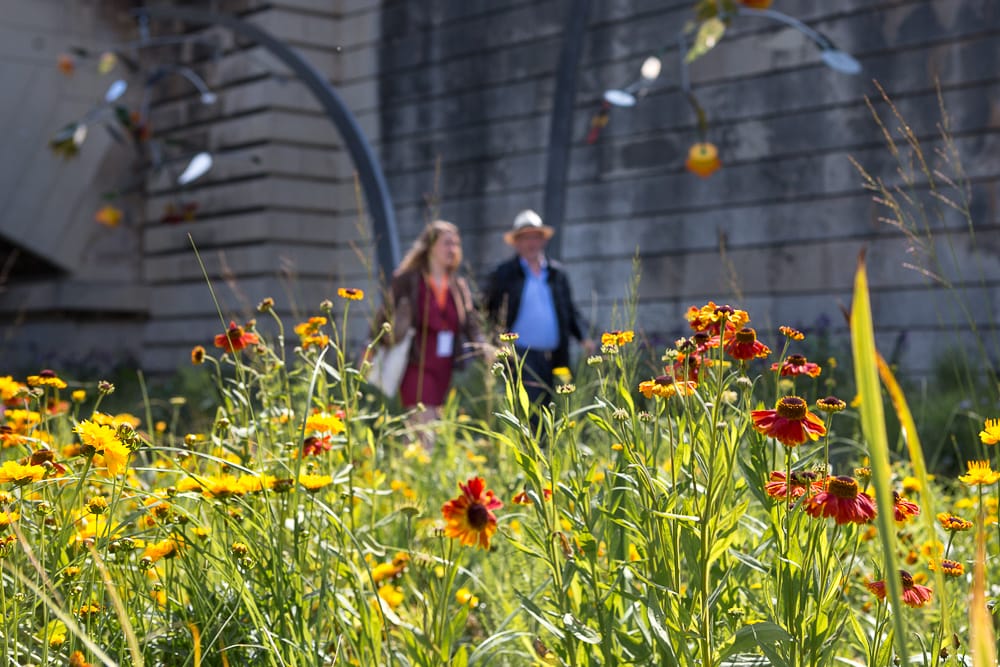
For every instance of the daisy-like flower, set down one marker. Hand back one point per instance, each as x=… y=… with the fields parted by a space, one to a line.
x=325 y=423
x=235 y=338
x=843 y=501
x=168 y=548
x=197 y=355
x=391 y=595
x=392 y=569
x=350 y=293
x=102 y=439
x=617 y=338
x=744 y=345
x=796 y=364
x=666 y=386
x=709 y=318
x=902 y=508
x=310 y=327
x=314 y=483
x=952 y=568
x=469 y=517
x=316 y=445
x=792 y=334
x=7 y=518
x=790 y=422
x=46 y=378
x=464 y=596
x=979 y=473
x=830 y=404
x=953 y=523
x=801 y=482
x=109 y=216
x=10 y=390
x=18 y=474
x=703 y=159
x=914 y=595
x=990 y=435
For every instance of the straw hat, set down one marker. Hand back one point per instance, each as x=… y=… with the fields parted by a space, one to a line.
x=528 y=221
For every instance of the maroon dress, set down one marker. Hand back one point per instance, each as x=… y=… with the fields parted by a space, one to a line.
x=428 y=376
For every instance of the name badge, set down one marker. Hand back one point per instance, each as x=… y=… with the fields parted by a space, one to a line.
x=446 y=343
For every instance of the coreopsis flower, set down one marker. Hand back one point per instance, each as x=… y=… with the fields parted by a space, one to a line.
x=914 y=595
x=703 y=159
x=990 y=435
x=464 y=596
x=617 y=338
x=563 y=374
x=796 y=364
x=790 y=422
x=350 y=293
x=952 y=568
x=953 y=523
x=11 y=390
x=235 y=338
x=743 y=345
x=7 y=518
x=109 y=216
x=979 y=473
x=791 y=334
x=197 y=355
x=391 y=595
x=46 y=378
x=168 y=548
x=324 y=423
x=830 y=404
x=469 y=517
x=842 y=501
x=902 y=508
x=97 y=505
x=102 y=439
x=314 y=483
x=666 y=386
x=800 y=483
x=311 y=327
x=392 y=569
x=18 y=474
x=316 y=445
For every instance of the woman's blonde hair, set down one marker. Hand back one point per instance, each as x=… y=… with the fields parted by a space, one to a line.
x=416 y=258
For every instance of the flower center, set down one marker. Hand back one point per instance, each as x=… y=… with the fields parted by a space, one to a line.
x=664 y=380
x=478 y=516
x=796 y=359
x=791 y=407
x=746 y=335
x=907 y=579
x=843 y=487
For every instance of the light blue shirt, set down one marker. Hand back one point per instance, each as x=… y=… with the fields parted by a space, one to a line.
x=536 y=325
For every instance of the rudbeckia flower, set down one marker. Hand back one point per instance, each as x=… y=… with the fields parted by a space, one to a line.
x=469 y=517
x=979 y=473
x=666 y=386
x=744 y=345
x=842 y=501
x=914 y=595
x=796 y=364
x=790 y=422
x=902 y=508
x=990 y=435
x=703 y=159
x=801 y=482
x=235 y=338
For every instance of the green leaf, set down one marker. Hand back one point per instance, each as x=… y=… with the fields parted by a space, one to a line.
x=710 y=32
x=529 y=606
x=755 y=636
x=580 y=631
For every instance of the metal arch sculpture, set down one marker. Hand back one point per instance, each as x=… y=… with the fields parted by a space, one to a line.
x=373 y=183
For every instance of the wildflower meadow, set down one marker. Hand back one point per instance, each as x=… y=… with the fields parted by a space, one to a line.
x=721 y=509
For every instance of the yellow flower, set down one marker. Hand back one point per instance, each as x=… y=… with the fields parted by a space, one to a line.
x=979 y=473
x=168 y=548
x=617 y=338
x=416 y=451
x=633 y=553
x=562 y=374
x=10 y=389
x=12 y=471
x=79 y=396
x=109 y=216
x=46 y=379
x=97 y=505
x=464 y=596
x=7 y=518
x=55 y=633
x=350 y=293
x=391 y=595
x=324 y=423
x=314 y=483
x=990 y=435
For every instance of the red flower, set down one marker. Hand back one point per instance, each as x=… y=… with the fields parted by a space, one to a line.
x=842 y=501
x=470 y=517
x=800 y=483
x=314 y=446
x=790 y=423
x=903 y=509
x=914 y=595
x=524 y=499
x=745 y=346
x=235 y=339
x=796 y=364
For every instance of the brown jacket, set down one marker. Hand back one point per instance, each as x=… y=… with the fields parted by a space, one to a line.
x=401 y=313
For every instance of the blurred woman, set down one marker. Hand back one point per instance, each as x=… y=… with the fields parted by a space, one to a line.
x=429 y=297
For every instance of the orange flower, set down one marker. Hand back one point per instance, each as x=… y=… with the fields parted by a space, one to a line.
x=235 y=339
x=350 y=293
x=524 y=499
x=842 y=501
x=617 y=338
x=800 y=483
x=745 y=346
x=756 y=4
x=703 y=159
x=66 y=64
x=197 y=355
x=793 y=334
x=950 y=567
x=914 y=595
x=109 y=216
x=796 y=364
x=316 y=445
x=953 y=523
x=790 y=423
x=469 y=517
x=902 y=508
x=666 y=386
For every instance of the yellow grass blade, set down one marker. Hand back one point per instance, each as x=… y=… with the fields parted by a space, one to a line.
x=196 y=640
x=873 y=426
x=920 y=471
x=981 y=633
